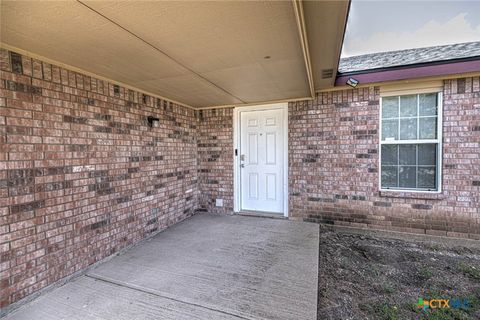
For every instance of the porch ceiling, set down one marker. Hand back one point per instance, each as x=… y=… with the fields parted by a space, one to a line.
x=198 y=53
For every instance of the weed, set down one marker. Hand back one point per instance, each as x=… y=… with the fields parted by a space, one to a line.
x=434 y=247
x=410 y=306
x=446 y=314
x=471 y=271
x=388 y=288
x=382 y=311
x=425 y=273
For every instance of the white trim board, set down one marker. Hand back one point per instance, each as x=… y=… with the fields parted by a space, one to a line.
x=236 y=146
x=438 y=141
x=411 y=88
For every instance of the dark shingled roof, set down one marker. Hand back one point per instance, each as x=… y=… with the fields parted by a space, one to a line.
x=408 y=57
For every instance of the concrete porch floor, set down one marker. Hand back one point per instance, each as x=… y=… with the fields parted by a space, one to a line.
x=207 y=267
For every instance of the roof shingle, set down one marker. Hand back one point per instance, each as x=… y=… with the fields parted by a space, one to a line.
x=409 y=56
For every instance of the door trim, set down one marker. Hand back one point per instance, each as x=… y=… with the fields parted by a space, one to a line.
x=236 y=146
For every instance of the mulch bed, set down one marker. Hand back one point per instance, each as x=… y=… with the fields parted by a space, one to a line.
x=366 y=275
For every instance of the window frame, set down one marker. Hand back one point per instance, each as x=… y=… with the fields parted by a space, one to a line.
x=437 y=141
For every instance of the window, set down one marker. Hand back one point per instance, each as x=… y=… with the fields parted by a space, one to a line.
x=410 y=143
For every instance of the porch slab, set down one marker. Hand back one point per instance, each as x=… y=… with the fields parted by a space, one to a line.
x=207 y=267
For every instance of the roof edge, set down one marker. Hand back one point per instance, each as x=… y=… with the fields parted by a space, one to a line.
x=412 y=71
x=411 y=65
x=339 y=57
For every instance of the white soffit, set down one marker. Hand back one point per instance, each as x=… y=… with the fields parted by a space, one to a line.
x=200 y=53
x=325 y=23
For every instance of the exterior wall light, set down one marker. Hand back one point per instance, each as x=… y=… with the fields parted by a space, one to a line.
x=352 y=82
x=152 y=121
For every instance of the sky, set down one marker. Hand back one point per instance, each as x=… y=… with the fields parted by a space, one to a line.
x=389 y=25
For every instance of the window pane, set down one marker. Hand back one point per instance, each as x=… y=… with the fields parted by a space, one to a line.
x=428 y=104
x=408 y=129
x=428 y=128
x=390 y=107
x=427 y=154
x=390 y=129
x=408 y=154
x=389 y=155
x=427 y=177
x=389 y=177
x=407 y=177
x=409 y=117
x=408 y=106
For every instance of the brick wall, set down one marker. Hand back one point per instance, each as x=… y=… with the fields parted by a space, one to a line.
x=333 y=163
x=82 y=175
x=215 y=164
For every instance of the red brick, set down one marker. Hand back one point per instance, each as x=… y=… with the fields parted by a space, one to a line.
x=83 y=192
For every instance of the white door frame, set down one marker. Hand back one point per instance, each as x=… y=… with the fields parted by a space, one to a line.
x=236 y=146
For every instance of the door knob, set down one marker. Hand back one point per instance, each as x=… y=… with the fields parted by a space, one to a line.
x=242 y=165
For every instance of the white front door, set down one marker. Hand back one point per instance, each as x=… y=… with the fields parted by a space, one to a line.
x=262 y=160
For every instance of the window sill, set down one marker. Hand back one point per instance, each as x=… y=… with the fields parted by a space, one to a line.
x=412 y=195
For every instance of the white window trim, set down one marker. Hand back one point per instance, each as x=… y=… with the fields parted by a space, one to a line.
x=438 y=141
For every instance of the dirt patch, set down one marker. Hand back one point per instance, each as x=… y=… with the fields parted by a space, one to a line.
x=369 y=276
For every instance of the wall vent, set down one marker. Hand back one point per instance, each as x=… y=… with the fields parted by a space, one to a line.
x=327 y=73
